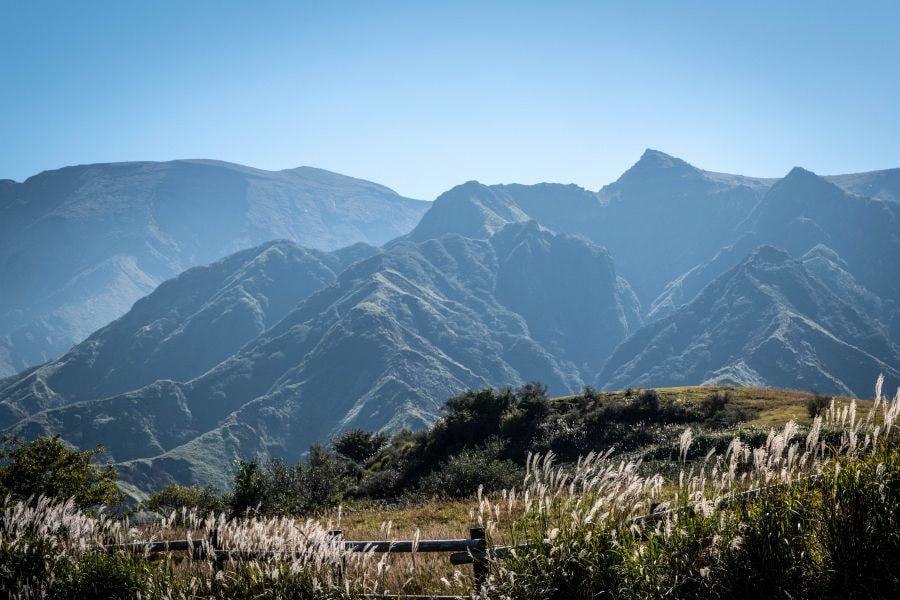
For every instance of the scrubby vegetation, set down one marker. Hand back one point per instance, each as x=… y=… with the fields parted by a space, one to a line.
x=46 y=467
x=823 y=520
x=662 y=517
x=482 y=440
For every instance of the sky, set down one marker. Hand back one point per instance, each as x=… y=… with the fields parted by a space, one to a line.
x=421 y=96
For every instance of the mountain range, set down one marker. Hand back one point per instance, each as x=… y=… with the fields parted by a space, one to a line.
x=79 y=245
x=671 y=275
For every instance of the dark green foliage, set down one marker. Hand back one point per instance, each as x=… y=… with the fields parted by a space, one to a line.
x=27 y=566
x=863 y=538
x=513 y=417
x=465 y=472
x=249 y=487
x=358 y=445
x=243 y=581
x=277 y=488
x=817 y=404
x=719 y=412
x=483 y=437
x=648 y=403
x=471 y=417
x=175 y=497
x=778 y=550
x=714 y=403
x=98 y=576
x=835 y=537
x=379 y=484
x=47 y=467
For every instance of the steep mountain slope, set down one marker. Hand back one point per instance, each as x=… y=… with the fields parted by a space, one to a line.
x=383 y=346
x=477 y=211
x=665 y=216
x=79 y=245
x=768 y=321
x=798 y=213
x=276 y=347
x=659 y=219
x=185 y=327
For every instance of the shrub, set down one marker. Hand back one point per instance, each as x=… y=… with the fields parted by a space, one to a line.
x=860 y=525
x=28 y=563
x=358 y=445
x=648 y=403
x=277 y=488
x=380 y=484
x=465 y=472
x=249 y=490
x=174 y=497
x=46 y=467
x=714 y=403
x=823 y=519
x=816 y=405
x=98 y=576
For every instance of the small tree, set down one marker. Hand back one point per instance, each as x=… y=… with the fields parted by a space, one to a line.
x=714 y=403
x=276 y=488
x=325 y=479
x=249 y=487
x=174 y=497
x=648 y=403
x=817 y=404
x=47 y=467
x=358 y=445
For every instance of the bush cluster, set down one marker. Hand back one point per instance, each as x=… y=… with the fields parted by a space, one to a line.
x=481 y=440
x=823 y=520
x=833 y=537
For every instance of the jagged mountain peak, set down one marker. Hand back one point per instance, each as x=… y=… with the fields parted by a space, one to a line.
x=654 y=164
x=803 y=181
x=766 y=255
x=471 y=209
x=658 y=158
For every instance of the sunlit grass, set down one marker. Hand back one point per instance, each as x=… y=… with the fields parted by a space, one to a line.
x=577 y=519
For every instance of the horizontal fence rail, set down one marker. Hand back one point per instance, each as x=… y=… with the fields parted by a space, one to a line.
x=156 y=547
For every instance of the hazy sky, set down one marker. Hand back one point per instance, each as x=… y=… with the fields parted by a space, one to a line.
x=423 y=95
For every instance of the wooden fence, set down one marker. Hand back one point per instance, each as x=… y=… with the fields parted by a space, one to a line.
x=472 y=550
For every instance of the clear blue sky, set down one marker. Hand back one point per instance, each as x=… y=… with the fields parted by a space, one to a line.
x=423 y=95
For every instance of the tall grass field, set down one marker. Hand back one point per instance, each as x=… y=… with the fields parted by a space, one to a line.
x=808 y=510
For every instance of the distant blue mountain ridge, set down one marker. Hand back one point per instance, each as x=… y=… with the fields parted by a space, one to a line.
x=384 y=307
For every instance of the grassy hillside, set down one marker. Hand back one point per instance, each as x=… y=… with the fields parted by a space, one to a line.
x=765 y=408
x=668 y=518
x=483 y=440
x=770 y=406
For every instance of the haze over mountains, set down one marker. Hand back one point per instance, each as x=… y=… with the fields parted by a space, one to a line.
x=670 y=275
x=79 y=245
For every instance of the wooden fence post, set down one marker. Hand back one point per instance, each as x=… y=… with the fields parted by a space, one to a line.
x=336 y=535
x=479 y=555
x=215 y=545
